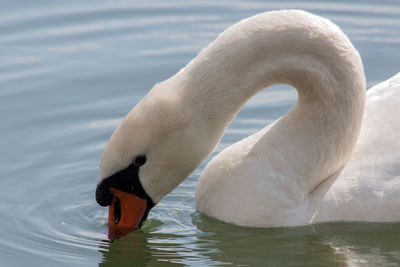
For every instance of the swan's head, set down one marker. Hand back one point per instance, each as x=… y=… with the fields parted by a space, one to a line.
x=157 y=145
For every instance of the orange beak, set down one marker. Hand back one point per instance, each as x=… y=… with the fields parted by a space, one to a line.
x=125 y=213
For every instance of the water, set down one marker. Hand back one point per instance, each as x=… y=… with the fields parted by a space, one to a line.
x=71 y=70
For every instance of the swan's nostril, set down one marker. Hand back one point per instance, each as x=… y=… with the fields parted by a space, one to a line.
x=117 y=210
x=103 y=195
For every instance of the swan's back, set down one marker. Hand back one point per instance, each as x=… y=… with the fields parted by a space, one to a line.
x=368 y=187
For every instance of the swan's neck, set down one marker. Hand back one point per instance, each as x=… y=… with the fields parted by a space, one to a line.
x=314 y=139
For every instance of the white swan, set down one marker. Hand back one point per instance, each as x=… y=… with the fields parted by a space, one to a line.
x=299 y=170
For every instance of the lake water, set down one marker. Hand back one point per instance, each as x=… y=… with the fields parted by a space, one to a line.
x=71 y=70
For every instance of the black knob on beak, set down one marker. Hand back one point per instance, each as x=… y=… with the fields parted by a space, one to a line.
x=103 y=195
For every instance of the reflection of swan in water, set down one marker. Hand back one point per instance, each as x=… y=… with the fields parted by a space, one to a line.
x=338 y=244
x=298 y=170
x=132 y=249
x=326 y=244
x=147 y=248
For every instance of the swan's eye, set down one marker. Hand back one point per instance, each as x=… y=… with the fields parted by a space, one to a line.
x=139 y=160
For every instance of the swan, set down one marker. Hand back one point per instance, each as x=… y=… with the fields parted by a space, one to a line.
x=325 y=160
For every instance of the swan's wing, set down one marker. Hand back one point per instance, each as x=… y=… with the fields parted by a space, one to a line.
x=377 y=153
x=369 y=186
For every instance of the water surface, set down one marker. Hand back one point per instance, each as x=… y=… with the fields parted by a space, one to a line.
x=71 y=70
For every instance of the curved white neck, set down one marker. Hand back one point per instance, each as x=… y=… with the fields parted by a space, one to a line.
x=317 y=136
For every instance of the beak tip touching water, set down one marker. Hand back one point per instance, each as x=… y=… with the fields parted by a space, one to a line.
x=125 y=214
x=128 y=202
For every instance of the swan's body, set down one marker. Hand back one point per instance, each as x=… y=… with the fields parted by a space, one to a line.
x=299 y=170
x=367 y=189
